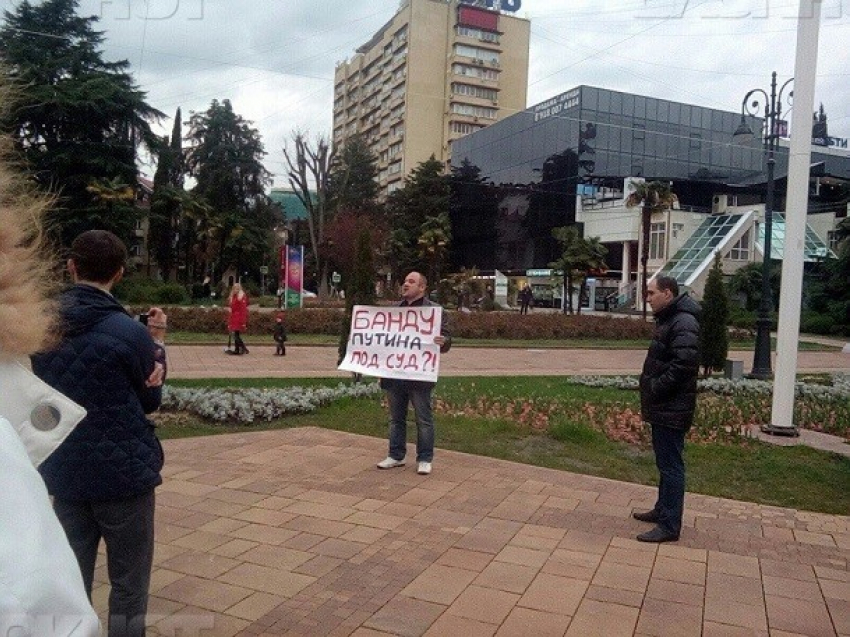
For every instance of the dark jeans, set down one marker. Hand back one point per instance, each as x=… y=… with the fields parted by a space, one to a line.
x=127 y=528
x=238 y=343
x=399 y=395
x=669 y=446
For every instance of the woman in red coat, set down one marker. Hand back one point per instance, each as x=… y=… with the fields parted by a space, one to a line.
x=237 y=322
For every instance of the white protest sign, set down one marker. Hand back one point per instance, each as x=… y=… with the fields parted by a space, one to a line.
x=394 y=342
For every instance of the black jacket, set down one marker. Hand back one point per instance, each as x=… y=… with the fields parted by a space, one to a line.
x=668 y=383
x=102 y=363
x=389 y=383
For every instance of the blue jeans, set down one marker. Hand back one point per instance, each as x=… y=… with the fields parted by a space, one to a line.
x=127 y=527
x=400 y=393
x=669 y=445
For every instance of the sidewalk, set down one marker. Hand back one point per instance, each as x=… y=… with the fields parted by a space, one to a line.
x=294 y=532
x=209 y=361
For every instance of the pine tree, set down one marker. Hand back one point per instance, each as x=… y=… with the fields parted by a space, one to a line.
x=353 y=196
x=77 y=119
x=225 y=157
x=419 y=223
x=353 y=182
x=714 y=333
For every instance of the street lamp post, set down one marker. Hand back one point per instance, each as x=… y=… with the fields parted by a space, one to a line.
x=772 y=117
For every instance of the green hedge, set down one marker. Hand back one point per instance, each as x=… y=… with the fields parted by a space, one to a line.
x=474 y=325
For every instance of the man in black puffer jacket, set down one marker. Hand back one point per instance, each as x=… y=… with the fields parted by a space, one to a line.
x=103 y=475
x=668 y=396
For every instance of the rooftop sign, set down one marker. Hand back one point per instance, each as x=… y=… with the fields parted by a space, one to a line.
x=556 y=105
x=510 y=6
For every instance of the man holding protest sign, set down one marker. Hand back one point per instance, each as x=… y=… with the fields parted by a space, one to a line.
x=401 y=393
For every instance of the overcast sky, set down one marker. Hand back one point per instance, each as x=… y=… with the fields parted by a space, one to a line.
x=275 y=59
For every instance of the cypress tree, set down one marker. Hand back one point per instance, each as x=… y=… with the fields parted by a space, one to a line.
x=360 y=290
x=714 y=335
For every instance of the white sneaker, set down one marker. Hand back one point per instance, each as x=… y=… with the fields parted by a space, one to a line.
x=389 y=463
x=424 y=468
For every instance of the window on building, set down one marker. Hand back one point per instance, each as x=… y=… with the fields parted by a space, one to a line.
x=695 y=141
x=677 y=228
x=741 y=250
x=475 y=91
x=394 y=168
x=464 y=128
x=832 y=240
x=657 y=232
x=474 y=111
x=477 y=53
x=478 y=34
x=475 y=71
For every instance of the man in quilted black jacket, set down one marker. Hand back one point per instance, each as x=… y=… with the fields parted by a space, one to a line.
x=104 y=474
x=668 y=396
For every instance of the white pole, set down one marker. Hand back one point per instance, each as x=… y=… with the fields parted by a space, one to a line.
x=799 y=162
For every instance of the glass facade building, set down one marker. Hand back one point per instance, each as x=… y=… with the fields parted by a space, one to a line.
x=585 y=141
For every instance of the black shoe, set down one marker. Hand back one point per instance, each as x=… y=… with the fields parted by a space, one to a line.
x=646 y=516
x=658 y=534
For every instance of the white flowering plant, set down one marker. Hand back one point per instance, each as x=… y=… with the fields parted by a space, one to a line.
x=246 y=405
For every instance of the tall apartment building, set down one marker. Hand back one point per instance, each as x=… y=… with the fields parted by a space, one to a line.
x=438 y=70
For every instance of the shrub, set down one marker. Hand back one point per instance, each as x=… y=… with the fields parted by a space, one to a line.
x=471 y=325
x=546 y=326
x=213 y=320
x=815 y=323
x=169 y=293
x=714 y=334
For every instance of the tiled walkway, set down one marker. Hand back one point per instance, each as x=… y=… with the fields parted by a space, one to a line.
x=296 y=533
x=208 y=361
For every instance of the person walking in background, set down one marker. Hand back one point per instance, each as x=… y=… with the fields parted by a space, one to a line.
x=280 y=335
x=525 y=296
x=41 y=579
x=401 y=393
x=668 y=395
x=237 y=320
x=104 y=474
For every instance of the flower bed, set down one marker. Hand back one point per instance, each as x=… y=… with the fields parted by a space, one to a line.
x=726 y=409
x=245 y=405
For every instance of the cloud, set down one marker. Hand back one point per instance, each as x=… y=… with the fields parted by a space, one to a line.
x=275 y=60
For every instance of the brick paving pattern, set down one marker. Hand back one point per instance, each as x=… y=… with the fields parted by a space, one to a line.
x=207 y=361
x=295 y=532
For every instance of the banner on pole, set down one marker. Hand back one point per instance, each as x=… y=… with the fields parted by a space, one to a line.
x=292 y=273
x=394 y=342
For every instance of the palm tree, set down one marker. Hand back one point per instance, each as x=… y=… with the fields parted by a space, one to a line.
x=653 y=196
x=433 y=244
x=594 y=263
x=580 y=257
x=569 y=239
x=108 y=192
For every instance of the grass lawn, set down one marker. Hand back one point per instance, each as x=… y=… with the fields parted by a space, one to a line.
x=203 y=338
x=796 y=477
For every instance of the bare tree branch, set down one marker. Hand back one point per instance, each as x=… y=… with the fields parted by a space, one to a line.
x=308 y=166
